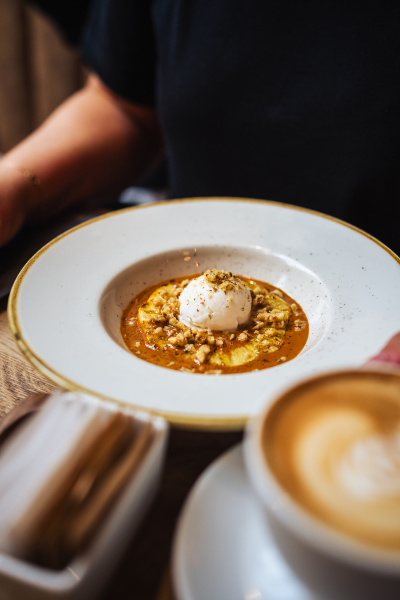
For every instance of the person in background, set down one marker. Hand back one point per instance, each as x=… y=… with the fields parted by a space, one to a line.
x=292 y=102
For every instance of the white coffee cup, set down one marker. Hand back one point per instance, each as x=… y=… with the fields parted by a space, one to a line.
x=324 y=461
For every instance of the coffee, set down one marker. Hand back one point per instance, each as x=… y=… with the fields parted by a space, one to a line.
x=333 y=443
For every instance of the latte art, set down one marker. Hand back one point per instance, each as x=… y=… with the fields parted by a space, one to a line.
x=371 y=467
x=335 y=446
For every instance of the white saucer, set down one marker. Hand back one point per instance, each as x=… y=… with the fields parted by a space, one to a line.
x=223 y=549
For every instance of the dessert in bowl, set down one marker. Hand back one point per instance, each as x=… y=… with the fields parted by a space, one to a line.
x=214 y=323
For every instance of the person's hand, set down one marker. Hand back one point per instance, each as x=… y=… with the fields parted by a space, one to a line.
x=390 y=353
x=17 y=189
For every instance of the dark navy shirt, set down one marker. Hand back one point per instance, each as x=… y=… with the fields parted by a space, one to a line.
x=291 y=101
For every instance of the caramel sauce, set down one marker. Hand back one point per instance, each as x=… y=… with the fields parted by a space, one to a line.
x=177 y=359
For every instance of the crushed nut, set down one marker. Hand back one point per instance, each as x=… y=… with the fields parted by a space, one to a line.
x=279 y=316
x=263 y=315
x=180 y=339
x=299 y=325
x=202 y=353
x=270 y=331
x=260 y=300
x=201 y=337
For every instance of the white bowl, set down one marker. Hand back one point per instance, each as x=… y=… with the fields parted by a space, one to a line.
x=65 y=305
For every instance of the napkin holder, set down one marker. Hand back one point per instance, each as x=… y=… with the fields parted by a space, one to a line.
x=88 y=570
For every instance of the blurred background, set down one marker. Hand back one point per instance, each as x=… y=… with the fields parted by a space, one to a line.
x=38 y=70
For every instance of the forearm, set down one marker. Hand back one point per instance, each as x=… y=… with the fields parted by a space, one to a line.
x=93 y=145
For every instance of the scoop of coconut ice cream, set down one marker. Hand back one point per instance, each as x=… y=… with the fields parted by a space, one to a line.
x=217 y=301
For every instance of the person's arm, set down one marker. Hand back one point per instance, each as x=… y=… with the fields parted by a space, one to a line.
x=95 y=144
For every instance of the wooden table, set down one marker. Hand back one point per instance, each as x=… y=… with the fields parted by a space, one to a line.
x=144 y=572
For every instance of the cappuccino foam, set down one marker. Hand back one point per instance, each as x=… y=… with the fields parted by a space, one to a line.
x=334 y=445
